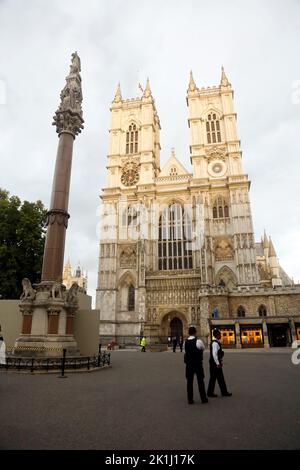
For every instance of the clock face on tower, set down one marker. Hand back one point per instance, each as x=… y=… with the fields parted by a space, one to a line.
x=217 y=168
x=130 y=174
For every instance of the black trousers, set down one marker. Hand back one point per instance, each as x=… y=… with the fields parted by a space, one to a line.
x=190 y=371
x=216 y=374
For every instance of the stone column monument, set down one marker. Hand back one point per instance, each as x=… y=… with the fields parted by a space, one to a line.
x=47 y=308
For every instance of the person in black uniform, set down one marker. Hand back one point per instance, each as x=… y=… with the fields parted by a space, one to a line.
x=215 y=367
x=193 y=359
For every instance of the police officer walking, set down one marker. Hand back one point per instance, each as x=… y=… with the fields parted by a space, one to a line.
x=193 y=359
x=215 y=367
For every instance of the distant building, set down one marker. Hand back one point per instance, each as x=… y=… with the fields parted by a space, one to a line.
x=77 y=276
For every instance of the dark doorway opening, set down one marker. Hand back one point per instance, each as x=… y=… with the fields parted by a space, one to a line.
x=279 y=335
x=176 y=328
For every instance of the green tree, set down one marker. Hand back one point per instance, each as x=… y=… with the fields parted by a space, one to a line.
x=22 y=238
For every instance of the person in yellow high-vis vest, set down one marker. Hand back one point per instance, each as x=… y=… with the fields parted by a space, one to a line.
x=143 y=344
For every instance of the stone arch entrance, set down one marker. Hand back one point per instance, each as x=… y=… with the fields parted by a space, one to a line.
x=176 y=327
x=173 y=323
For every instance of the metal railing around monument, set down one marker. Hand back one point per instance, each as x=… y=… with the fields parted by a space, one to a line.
x=48 y=364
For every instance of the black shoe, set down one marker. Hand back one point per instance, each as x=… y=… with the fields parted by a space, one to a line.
x=212 y=395
x=205 y=401
x=191 y=402
x=228 y=394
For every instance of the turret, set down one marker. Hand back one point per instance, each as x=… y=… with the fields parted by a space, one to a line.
x=274 y=265
x=266 y=246
x=224 y=79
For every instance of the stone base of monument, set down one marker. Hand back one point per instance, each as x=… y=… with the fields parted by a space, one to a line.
x=48 y=311
x=38 y=346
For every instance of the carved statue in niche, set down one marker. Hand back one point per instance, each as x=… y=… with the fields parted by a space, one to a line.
x=128 y=257
x=193 y=316
x=226 y=278
x=154 y=315
x=223 y=249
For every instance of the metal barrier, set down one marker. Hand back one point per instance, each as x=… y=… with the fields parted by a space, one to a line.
x=57 y=363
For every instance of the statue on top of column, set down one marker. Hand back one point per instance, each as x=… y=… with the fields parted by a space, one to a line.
x=68 y=117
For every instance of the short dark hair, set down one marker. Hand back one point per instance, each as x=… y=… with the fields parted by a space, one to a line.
x=216 y=332
x=192 y=330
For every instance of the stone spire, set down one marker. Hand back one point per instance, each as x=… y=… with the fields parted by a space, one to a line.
x=272 y=251
x=192 y=84
x=266 y=241
x=118 y=95
x=224 y=79
x=68 y=117
x=147 y=92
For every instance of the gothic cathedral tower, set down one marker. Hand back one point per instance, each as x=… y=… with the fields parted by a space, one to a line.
x=217 y=169
x=133 y=166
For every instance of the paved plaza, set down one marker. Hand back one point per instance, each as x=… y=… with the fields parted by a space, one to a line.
x=140 y=403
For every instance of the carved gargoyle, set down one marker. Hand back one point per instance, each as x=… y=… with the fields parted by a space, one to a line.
x=28 y=291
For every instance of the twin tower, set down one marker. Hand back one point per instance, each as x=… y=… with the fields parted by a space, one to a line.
x=168 y=232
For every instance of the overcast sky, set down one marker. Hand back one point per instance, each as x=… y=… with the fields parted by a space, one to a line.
x=126 y=41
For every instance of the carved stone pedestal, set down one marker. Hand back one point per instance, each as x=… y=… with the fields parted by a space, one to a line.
x=48 y=312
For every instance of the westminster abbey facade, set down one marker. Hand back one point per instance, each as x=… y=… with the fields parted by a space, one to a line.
x=177 y=246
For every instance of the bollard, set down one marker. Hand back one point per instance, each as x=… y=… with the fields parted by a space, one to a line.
x=63 y=360
x=32 y=366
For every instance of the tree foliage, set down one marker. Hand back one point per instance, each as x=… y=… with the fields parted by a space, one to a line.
x=22 y=238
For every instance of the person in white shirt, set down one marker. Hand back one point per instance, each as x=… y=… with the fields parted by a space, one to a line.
x=215 y=367
x=193 y=359
x=2 y=351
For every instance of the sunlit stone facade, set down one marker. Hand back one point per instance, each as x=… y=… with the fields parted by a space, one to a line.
x=177 y=246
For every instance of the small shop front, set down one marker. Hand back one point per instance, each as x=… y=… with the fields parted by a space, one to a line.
x=279 y=334
x=228 y=339
x=297 y=326
x=252 y=336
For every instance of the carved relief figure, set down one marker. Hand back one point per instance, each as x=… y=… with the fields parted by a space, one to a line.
x=128 y=257
x=223 y=249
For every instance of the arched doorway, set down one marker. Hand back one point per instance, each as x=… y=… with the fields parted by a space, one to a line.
x=176 y=327
x=173 y=323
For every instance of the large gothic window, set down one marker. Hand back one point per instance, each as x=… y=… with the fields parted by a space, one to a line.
x=213 y=131
x=132 y=137
x=174 y=239
x=131 y=297
x=220 y=208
